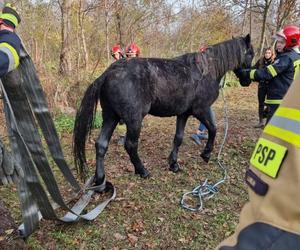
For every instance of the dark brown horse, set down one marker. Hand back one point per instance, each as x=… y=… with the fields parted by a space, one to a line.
x=130 y=89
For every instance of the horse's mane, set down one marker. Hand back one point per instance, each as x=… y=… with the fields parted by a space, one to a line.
x=217 y=59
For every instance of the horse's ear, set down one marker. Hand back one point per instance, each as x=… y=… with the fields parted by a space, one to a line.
x=247 y=39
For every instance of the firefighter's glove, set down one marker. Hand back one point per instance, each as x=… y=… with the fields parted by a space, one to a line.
x=244 y=76
x=10 y=171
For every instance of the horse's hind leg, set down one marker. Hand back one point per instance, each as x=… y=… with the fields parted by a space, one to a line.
x=208 y=120
x=131 y=146
x=110 y=121
x=180 y=125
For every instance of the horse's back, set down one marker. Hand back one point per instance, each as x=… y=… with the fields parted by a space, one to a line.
x=162 y=87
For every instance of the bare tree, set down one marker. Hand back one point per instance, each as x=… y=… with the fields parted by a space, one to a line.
x=286 y=9
x=265 y=7
x=65 y=65
x=106 y=12
x=81 y=19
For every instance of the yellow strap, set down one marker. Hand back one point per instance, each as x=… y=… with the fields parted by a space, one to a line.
x=297 y=68
x=268 y=156
x=273 y=101
x=10 y=17
x=290 y=113
x=252 y=73
x=10 y=6
x=272 y=70
x=13 y=51
x=283 y=134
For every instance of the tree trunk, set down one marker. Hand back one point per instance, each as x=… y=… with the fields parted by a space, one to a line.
x=284 y=11
x=65 y=66
x=263 y=29
x=119 y=30
x=36 y=51
x=82 y=36
x=78 y=57
x=107 y=33
x=44 y=46
x=250 y=21
x=84 y=47
x=192 y=28
x=244 y=18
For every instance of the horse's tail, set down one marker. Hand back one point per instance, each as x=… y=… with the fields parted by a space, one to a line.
x=83 y=123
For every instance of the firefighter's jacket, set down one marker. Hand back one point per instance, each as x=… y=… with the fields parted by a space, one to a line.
x=271 y=218
x=280 y=75
x=10 y=45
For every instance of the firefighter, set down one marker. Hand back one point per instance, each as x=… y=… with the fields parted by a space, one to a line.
x=132 y=50
x=10 y=45
x=281 y=72
x=116 y=52
x=271 y=218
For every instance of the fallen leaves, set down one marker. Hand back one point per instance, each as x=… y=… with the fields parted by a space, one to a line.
x=9 y=231
x=146 y=213
x=119 y=236
x=138 y=226
x=132 y=238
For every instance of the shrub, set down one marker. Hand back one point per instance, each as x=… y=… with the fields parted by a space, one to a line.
x=65 y=123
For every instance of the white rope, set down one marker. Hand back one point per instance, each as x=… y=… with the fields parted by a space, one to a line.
x=206 y=191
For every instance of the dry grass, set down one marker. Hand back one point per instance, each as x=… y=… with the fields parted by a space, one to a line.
x=146 y=213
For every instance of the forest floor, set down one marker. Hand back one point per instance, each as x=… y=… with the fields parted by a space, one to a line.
x=146 y=213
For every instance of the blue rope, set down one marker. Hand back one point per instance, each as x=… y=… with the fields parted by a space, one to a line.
x=206 y=191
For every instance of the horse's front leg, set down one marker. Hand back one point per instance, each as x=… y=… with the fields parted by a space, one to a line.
x=108 y=126
x=180 y=125
x=131 y=146
x=208 y=120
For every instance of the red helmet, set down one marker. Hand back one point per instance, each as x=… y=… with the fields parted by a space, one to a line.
x=291 y=34
x=116 y=49
x=132 y=50
x=203 y=49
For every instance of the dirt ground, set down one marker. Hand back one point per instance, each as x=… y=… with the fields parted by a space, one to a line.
x=146 y=213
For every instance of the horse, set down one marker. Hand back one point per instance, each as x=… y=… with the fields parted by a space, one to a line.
x=130 y=89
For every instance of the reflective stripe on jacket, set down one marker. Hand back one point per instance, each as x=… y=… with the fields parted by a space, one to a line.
x=9 y=51
x=271 y=218
x=280 y=75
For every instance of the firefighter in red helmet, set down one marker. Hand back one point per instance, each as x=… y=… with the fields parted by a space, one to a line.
x=132 y=50
x=281 y=72
x=116 y=52
x=291 y=35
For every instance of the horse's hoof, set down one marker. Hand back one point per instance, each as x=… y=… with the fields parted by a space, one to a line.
x=175 y=168
x=99 y=186
x=144 y=174
x=103 y=188
x=205 y=157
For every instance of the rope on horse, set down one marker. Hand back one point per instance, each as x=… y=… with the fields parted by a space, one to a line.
x=206 y=191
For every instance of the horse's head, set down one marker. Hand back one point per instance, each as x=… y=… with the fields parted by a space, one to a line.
x=247 y=55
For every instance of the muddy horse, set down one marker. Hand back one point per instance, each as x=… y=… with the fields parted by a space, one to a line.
x=130 y=89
